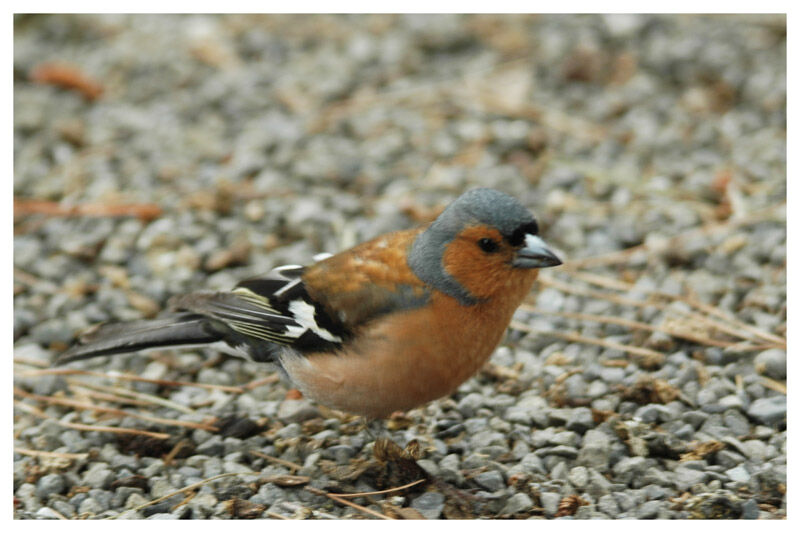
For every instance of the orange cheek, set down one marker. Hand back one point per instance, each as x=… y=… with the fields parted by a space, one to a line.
x=480 y=273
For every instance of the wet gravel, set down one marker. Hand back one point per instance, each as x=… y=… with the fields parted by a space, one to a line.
x=253 y=141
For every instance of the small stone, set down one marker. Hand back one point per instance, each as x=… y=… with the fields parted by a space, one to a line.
x=755 y=450
x=470 y=403
x=648 y=510
x=728 y=459
x=491 y=480
x=550 y=501
x=213 y=447
x=595 y=450
x=608 y=504
x=625 y=500
x=579 y=477
x=297 y=411
x=768 y=410
x=685 y=478
x=737 y=422
x=430 y=505
x=629 y=467
x=49 y=484
x=771 y=363
x=739 y=474
x=341 y=453
x=567 y=452
x=163 y=516
x=750 y=509
x=427 y=465
x=598 y=483
x=90 y=506
x=517 y=503
x=532 y=463
x=47 y=513
x=695 y=418
x=450 y=468
x=98 y=476
x=580 y=420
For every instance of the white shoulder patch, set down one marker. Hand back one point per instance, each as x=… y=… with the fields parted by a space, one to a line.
x=321 y=257
x=304 y=315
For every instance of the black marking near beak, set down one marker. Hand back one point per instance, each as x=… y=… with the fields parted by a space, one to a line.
x=535 y=254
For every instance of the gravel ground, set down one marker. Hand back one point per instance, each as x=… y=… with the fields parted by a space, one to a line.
x=172 y=153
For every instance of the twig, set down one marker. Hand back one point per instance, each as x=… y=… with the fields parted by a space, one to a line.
x=725 y=316
x=278 y=460
x=274 y=378
x=104 y=396
x=24 y=207
x=26 y=278
x=175 y=449
x=621 y=300
x=650 y=356
x=140 y=395
x=55 y=455
x=336 y=498
x=67 y=76
x=187 y=488
x=611 y=283
x=113 y=411
x=85 y=427
x=29 y=362
x=622 y=256
x=635 y=324
x=375 y=493
x=129 y=377
x=773 y=384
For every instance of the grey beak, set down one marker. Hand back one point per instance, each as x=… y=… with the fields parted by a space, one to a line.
x=535 y=254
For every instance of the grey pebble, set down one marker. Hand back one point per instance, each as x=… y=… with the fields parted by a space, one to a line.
x=90 y=506
x=739 y=474
x=579 y=477
x=580 y=420
x=649 y=510
x=518 y=503
x=47 y=513
x=49 y=485
x=550 y=501
x=771 y=363
x=163 y=516
x=595 y=449
x=750 y=509
x=297 y=410
x=768 y=410
x=430 y=505
x=99 y=476
x=608 y=505
x=685 y=478
x=491 y=480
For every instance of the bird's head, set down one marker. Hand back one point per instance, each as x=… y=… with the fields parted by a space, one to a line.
x=481 y=242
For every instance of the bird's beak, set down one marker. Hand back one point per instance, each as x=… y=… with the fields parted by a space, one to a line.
x=535 y=254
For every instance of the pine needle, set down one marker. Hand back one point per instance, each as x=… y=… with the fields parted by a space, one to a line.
x=86 y=427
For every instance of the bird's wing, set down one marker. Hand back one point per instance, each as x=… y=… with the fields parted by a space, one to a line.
x=368 y=281
x=275 y=308
x=319 y=307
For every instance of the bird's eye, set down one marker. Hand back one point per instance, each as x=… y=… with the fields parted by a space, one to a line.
x=488 y=245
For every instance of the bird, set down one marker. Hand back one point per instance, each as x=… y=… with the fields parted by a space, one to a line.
x=388 y=325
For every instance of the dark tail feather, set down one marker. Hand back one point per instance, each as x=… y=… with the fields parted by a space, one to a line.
x=109 y=339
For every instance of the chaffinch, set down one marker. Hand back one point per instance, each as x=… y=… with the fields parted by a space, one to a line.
x=387 y=325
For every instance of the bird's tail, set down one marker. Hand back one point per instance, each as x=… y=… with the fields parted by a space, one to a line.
x=184 y=329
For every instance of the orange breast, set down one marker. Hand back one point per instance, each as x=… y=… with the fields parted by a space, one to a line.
x=406 y=359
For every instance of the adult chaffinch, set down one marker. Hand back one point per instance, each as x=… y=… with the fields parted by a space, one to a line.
x=387 y=325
